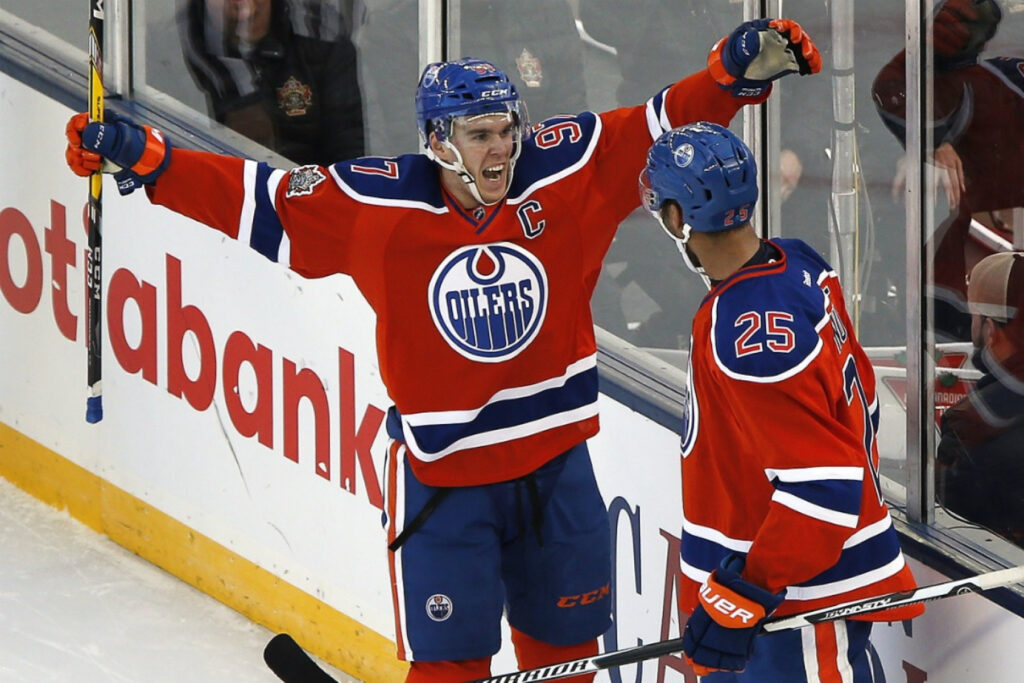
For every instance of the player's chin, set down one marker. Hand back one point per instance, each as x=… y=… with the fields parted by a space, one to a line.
x=493 y=189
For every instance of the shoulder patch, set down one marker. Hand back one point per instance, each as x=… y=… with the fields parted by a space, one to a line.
x=1011 y=69
x=766 y=329
x=409 y=180
x=557 y=147
x=302 y=180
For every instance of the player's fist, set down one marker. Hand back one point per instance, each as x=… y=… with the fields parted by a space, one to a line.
x=719 y=635
x=81 y=161
x=758 y=52
x=962 y=27
x=134 y=153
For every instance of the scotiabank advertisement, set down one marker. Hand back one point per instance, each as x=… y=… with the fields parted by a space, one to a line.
x=245 y=402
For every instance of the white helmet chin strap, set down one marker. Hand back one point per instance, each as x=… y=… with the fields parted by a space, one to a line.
x=689 y=258
x=460 y=168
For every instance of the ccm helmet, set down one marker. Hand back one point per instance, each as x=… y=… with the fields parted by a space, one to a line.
x=466 y=87
x=707 y=170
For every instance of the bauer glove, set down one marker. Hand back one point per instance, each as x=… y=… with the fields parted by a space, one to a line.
x=747 y=60
x=719 y=635
x=135 y=154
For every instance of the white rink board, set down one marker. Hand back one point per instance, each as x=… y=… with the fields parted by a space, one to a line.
x=321 y=534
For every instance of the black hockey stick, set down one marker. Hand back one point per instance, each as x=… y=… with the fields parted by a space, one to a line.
x=94 y=259
x=292 y=665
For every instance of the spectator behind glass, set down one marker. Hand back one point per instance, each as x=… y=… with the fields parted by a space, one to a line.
x=539 y=41
x=978 y=146
x=536 y=39
x=290 y=85
x=981 y=452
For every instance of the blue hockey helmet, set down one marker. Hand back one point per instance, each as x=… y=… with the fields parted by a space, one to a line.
x=467 y=87
x=464 y=87
x=707 y=170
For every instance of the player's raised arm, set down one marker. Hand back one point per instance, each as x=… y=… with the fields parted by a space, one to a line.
x=761 y=51
x=207 y=187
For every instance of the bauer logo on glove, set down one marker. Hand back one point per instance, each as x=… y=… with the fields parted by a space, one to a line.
x=719 y=635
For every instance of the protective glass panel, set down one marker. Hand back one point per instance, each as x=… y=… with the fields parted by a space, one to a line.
x=289 y=75
x=65 y=19
x=837 y=186
x=973 y=145
x=645 y=294
x=387 y=40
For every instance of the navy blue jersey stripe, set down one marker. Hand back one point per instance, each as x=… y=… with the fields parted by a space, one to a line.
x=266 y=226
x=702 y=553
x=841 y=495
x=864 y=557
x=578 y=391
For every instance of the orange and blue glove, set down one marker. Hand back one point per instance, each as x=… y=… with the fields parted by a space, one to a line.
x=719 y=635
x=134 y=153
x=758 y=52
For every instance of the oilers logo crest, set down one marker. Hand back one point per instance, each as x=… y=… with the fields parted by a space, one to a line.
x=489 y=301
x=439 y=607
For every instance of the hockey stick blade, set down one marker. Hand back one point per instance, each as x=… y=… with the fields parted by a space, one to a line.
x=632 y=655
x=291 y=663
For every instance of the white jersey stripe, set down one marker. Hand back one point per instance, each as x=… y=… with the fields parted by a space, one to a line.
x=815 y=511
x=245 y=219
x=397 y=522
x=716 y=536
x=495 y=436
x=797 y=474
x=836 y=587
x=458 y=416
x=284 y=250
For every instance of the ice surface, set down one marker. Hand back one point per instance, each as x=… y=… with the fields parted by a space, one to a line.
x=76 y=607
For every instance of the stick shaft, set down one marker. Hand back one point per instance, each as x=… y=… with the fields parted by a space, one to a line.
x=94 y=259
x=974 y=584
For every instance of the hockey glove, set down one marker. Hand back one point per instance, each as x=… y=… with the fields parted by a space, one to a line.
x=135 y=154
x=719 y=635
x=960 y=30
x=747 y=60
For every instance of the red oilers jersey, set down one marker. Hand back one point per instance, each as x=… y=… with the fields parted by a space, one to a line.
x=484 y=333
x=778 y=449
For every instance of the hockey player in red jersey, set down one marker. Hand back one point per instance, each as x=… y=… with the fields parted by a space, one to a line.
x=975 y=129
x=782 y=510
x=479 y=258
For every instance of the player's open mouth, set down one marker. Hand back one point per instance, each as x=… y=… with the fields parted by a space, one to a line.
x=493 y=172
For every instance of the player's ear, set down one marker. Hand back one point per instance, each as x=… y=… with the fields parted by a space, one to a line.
x=673 y=217
x=440 y=150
